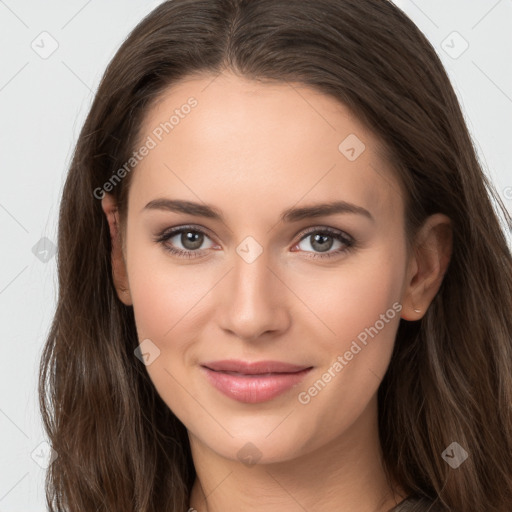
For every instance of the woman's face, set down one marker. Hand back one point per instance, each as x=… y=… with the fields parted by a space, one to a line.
x=314 y=288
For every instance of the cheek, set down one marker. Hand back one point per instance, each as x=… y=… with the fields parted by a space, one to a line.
x=351 y=297
x=171 y=304
x=362 y=306
x=167 y=298
x=165 y=294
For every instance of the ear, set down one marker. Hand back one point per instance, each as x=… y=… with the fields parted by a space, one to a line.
x=119 y=273
x=427 y=265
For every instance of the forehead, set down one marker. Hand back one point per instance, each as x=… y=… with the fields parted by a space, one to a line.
x=240 y=143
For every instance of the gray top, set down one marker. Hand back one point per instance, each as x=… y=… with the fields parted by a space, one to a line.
x=413 y=504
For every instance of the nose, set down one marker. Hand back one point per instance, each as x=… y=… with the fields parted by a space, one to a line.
x=254 y=300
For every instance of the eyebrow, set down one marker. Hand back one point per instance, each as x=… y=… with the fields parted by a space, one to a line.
x=288 y=215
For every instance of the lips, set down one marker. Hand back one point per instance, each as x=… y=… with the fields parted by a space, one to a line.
x=253 y=368
x=253 y=382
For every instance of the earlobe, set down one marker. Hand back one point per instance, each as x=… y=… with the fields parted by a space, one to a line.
x=428 y=265
x=119 y=273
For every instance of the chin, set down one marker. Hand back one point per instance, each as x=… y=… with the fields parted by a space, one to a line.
x=260 y=439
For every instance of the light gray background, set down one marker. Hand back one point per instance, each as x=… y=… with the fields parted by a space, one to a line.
x=43 y=103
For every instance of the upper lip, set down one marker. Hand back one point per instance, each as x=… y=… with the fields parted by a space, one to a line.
x=253 y=368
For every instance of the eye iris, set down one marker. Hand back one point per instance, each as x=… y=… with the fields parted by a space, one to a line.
x=193 y=239
x=319 y=242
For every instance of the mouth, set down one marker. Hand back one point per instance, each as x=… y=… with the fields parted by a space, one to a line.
x=253 y=382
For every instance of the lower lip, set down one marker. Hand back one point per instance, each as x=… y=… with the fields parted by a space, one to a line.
x=253 y=389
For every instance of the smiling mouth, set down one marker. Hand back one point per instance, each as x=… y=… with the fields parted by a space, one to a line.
x=253 y=388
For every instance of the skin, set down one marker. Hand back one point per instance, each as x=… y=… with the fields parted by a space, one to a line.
x=251 y=150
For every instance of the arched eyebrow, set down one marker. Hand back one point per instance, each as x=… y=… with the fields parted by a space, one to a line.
x=289 y=215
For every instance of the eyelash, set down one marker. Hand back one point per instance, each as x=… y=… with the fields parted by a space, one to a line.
x=348 y=241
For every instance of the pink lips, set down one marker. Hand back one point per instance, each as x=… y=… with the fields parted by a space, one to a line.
x=253 y=382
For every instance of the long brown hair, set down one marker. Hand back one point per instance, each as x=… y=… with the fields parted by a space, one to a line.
x=119 y=446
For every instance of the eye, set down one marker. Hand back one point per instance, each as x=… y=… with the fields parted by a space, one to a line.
x=322 y=239
x=191 y=238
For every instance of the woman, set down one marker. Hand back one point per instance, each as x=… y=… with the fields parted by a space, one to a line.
x=283 y=284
